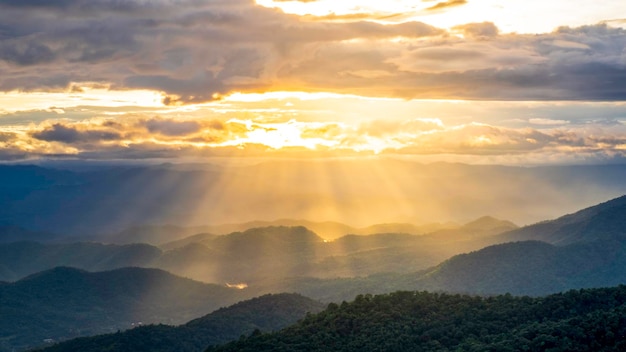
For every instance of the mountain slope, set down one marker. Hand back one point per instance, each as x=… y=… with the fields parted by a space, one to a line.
x=521 y=268
x=605 y=221
x=266 y=313
x=530 y=268
x=585 y=320
x=65 y=302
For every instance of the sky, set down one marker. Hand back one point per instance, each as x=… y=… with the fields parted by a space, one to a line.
x=520 y=82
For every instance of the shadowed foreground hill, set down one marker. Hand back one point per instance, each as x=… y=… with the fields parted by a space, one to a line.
x=266 y=313
x=585 y=320
x=64 y=303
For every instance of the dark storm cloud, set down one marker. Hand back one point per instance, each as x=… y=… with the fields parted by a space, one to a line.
x=196 y=51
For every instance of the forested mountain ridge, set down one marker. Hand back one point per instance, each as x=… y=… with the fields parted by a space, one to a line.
x=63 y=302
x=266 y=313
x=529 y=268
x=583 y=320
x=605 y=221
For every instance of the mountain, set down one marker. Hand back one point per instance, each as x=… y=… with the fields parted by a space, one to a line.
x=605 y=221
x=489 y=224
x=332 y=230
x=587 y=250
x=63 y=303
x=267 y=313
x=326 y=229
x=154 y=235
x=584 y=320
x=520 y=268
x=200 y=238
x=583 y=249
x=283 y=251
x=529 y=268
x=261 y=252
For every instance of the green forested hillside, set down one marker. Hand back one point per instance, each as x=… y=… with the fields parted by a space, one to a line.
x=266 y=313
x=64 y=303
x=584 y=320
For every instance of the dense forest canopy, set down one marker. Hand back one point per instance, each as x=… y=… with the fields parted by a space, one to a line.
x=583 y=320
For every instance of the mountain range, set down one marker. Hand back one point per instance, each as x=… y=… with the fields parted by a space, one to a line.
x=487 y=256
x=256 y=254
x=593 y=254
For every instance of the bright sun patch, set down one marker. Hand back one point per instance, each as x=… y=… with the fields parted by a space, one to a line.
x=282 y=135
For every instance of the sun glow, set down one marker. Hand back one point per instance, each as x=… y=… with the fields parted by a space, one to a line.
x=520 y=16
x=282 y=135
x=78 y=96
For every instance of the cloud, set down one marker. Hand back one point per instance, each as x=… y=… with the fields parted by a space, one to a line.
x=171 y=127
x=58 y=132
x=25 y=54
x=195 y=51
x=547 y=122
x=446 y=4
x=142 y=137
x=478 y=30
